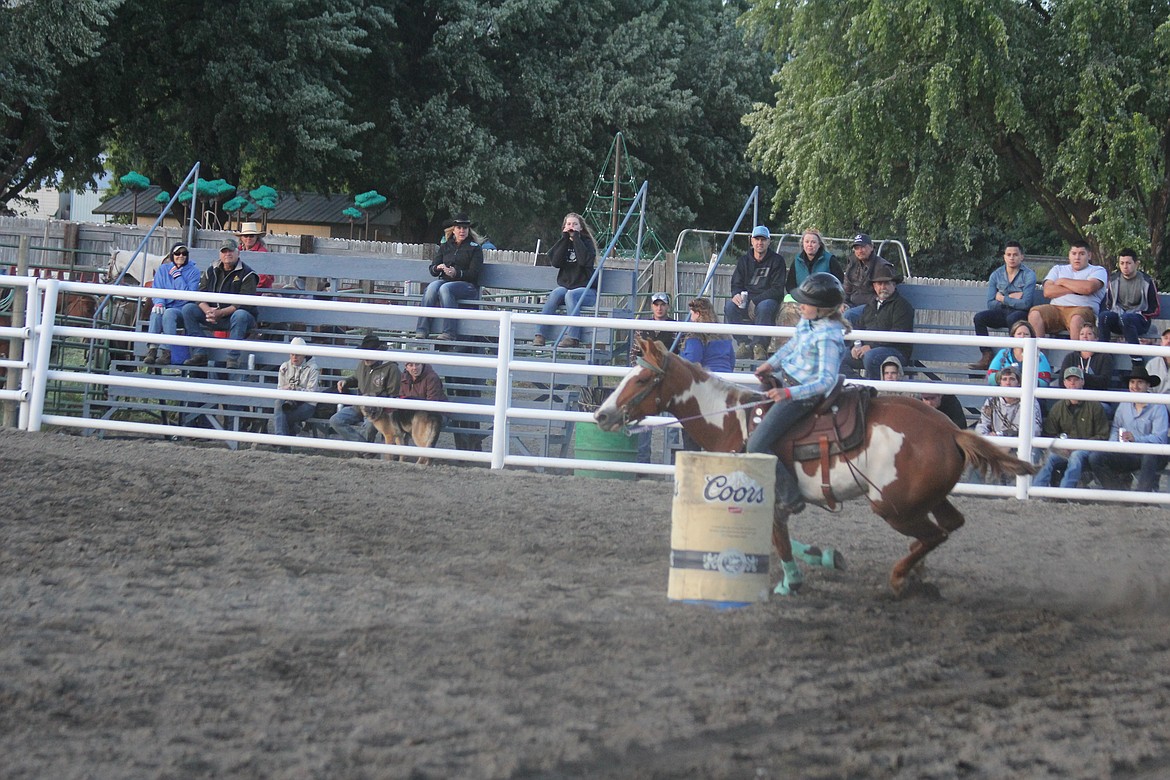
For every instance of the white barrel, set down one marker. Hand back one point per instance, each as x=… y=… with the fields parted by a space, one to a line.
x=721 y=528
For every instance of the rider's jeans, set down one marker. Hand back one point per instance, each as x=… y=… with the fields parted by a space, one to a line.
x=777 y=422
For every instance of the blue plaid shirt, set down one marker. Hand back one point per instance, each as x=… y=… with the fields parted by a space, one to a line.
x=812 y=357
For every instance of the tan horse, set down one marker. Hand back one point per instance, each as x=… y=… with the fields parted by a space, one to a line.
x=910 y=458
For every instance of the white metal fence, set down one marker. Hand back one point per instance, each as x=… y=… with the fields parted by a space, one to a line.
x=34 y=340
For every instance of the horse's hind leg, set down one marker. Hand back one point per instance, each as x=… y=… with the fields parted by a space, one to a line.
x=948 y=518
x=793 y=578
x=928 y=536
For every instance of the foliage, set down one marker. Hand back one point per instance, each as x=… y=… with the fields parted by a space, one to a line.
x=920 y=115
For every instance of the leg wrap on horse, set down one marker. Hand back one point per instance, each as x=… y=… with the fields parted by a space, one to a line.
x=825 y=557
x=792 y=581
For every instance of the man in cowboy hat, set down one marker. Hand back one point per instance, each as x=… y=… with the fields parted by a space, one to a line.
x=1134 y=421
x=252 y=240
x=887 y=311
x=859 y=276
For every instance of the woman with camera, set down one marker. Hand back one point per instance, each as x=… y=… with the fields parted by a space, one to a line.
x=575 y=254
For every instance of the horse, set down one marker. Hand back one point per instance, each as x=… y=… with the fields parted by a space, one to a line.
x=909 y=459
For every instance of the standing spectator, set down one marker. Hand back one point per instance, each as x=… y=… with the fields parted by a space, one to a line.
x=1097 y=367
x=1000 y=416
x=1075 y=291
x=1011 y=291
x=298 y=373
x=1134 y=421
x=888 y=311
x=251 y=237
x=660 y=312
x=176 y=273
x=1014 y=356
x=712 y=352
x=1071 y=418
x=1131 y=301
x=374 y=377
x=860 y=274
x=575 y=254
x=457 y=264
x=1159 y=366
x=420 y=382
x=813 y=258
x=760 y=275
x=228 y=276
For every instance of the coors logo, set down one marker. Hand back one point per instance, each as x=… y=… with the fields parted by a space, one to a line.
x=733 y=488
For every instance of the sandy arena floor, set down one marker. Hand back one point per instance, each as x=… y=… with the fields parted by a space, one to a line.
x=174 y=611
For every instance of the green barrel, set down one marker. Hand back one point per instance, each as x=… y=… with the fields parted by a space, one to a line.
x=592 y=443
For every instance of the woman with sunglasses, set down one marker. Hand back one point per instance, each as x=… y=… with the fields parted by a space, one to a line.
x=176 y=273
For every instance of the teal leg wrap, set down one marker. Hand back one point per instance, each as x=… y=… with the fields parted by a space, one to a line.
x=792 y=581
x=825 y=557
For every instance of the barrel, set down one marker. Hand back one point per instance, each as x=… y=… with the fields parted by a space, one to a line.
x=592 y=443
x=721 y=529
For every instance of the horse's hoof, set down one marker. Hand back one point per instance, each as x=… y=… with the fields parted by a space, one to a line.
x=786 y=589
x=833 y=559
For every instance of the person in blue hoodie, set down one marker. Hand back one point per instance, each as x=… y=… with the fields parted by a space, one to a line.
x=177 y=272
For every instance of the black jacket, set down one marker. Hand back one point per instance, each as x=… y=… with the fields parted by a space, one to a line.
x=576 y=259
x=241 y=280
x=895 y=315
x=763 y=280
x=465 y=258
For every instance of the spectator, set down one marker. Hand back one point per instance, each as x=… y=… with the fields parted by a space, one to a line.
x=299 y=373
x=714 y=353
x=1134 y=421
x=892 y=369
x=813 y=258
x=760 y=276
x=251 y=237
x=1097 y=367
x=1000 y=416
x=175 y=273
x=1071 y=418
x=374 y=377
x=1011 y=290
x=575 y=254
x=660 y=312
x=457 y=264
x=859 y=276
x=948 y=405
x=888 y=311
x=1131 y=301
x=1075 y=291
x=420 y=382
x=227 y=276
x=1159 y=366
x=1014 y=356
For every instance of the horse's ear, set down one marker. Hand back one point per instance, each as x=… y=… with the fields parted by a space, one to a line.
x=650 y=347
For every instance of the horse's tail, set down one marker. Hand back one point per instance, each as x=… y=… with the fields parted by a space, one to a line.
x=987 y=459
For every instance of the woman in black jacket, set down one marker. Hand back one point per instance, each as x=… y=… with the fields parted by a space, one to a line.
x=457 y=265
x=575 y=253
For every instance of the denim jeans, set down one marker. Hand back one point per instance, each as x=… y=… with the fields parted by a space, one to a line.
x=870 y=364
x=1000 y=317
x=166 y=321
x=853 y=314
x=563 y=296
x=445 y=294
x=766 y=312
x=1130 y=325
x=350 y=424
x=779 y=419
x=1113 y=470
x=238 y=325
x=283 y=423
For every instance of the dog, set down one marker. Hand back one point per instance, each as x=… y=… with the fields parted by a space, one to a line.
x=422 y=427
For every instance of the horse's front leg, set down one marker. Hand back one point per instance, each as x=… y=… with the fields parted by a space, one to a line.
x=792 y=579
x=813 y=555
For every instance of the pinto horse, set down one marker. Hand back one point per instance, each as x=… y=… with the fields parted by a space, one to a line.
x=908 y=461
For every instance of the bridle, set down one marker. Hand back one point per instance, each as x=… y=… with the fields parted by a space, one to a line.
x=655 y=385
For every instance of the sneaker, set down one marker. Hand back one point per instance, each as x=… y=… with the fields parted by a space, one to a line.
x=234 y=364
x=570 y=343
x=443 y=336
x=743 y=352
x=538 y=340
x=982 y=364
x=164 y=358
x=150 y=357
x=420 y=334
x=196 y=360
x=759 y=352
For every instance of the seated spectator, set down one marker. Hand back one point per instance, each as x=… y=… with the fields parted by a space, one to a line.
x=714 y=353
x=813 y=258
x=1159 y=366
x=376 y=378
x=420 y=382
x=457 y=265
x=859 y=277
x=1014 y=357
x=1000 y=416
x=892 y=369
x=1097 y=367
x=175 y=273
x=757 y=286
x=1071 y=418
x=948 y=405
x=299 y=373
x=1134 y=421
x=251 y=237
x=1011 y=290
x=888 y=311
x=575 y=254
x=1131 y=301
x=1075 y=291
x=227 y=275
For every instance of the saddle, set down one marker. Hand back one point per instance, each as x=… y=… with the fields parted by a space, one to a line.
x=836 y=426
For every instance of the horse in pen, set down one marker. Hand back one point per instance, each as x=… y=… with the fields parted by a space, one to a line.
x=903 y=456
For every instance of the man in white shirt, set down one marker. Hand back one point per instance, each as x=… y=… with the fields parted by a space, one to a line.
x=1075 y=291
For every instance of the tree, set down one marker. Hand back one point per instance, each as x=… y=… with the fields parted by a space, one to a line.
x=920 y=116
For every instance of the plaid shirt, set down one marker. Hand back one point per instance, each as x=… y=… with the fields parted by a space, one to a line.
x=812 y=357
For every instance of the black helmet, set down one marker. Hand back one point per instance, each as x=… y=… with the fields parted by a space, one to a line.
x=821 y=290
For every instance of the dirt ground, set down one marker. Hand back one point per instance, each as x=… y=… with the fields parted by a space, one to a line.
x=175 y=611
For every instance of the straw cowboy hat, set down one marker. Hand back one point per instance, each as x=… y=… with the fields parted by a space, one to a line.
x=250 y=229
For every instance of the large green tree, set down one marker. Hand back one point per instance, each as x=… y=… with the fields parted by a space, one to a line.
x=924 y=116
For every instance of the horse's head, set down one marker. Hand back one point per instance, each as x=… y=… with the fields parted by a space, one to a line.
x=640 y=393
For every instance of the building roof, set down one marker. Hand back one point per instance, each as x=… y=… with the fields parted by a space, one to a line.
x=306 y=208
